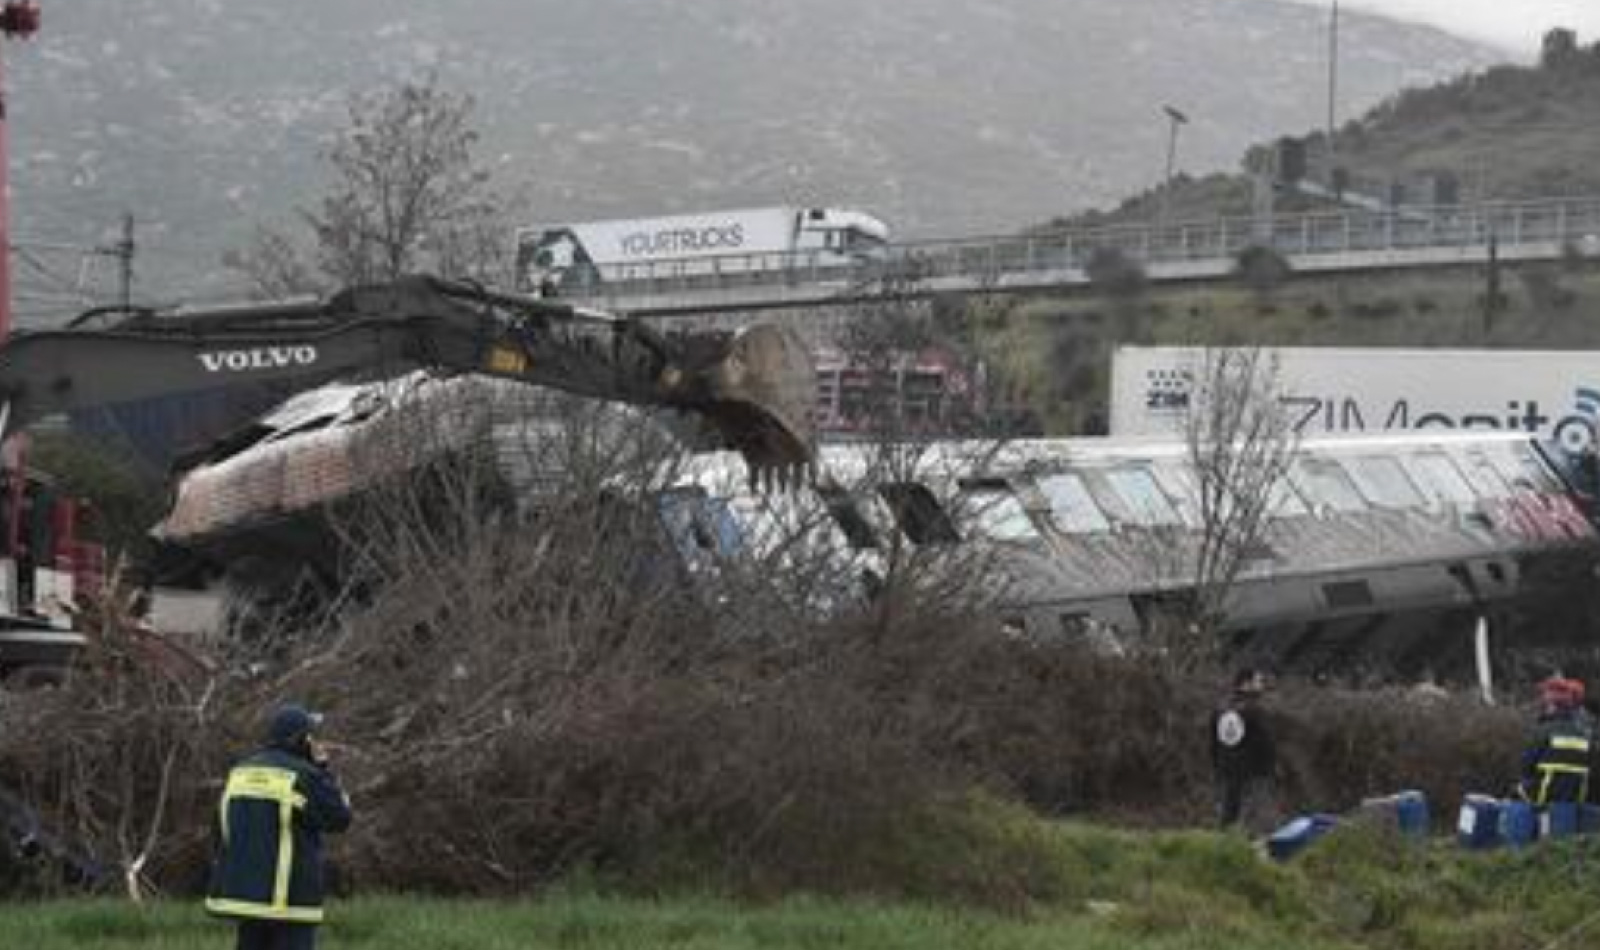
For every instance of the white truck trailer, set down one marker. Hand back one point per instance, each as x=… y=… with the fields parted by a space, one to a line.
x=589 y=254
x=1348 y=390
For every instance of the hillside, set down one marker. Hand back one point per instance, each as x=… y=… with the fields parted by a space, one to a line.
x=1506 y=132
x=204 y=117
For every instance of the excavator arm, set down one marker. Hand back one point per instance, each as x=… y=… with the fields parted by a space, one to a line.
x=751 y=389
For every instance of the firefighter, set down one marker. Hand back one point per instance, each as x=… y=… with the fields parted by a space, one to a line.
x=1243 y=756
x=276 y=807
x=1555 y=767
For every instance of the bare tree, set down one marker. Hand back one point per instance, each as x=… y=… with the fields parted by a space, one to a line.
x=407 y=195
x=908 y=509
x=274 y=266
x=1240 y=443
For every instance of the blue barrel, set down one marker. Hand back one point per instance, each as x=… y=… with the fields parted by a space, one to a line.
x=1412 y=813
x=1519 y=824
x=1560 y=820
x=1478 y=828
x=1293 y=837
x=1588 y=819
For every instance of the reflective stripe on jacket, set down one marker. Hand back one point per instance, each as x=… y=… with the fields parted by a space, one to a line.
x=272 y=815
x=1557 y=767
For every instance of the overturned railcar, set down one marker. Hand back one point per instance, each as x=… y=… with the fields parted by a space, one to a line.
x=1381 y=556
x=1393 y=554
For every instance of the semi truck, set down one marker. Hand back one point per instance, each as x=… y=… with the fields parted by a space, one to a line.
x=584 y=256
x=1552 y=394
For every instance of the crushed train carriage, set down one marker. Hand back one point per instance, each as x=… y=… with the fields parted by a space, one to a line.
x=1381 y=553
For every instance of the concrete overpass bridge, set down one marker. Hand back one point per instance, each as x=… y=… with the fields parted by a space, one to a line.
x=1322 y=242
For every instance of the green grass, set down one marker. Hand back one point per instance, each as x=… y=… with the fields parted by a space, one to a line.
x=597 y=923
x=1055 y=352
x=995 y=876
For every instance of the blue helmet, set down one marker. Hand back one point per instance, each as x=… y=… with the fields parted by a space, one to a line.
x=291 y=723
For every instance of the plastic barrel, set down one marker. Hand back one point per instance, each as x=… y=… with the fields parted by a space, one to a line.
x=1588 y=819
x=1478 y=827
x=1519 y=824
x=1412 y=814
x=1560 y=820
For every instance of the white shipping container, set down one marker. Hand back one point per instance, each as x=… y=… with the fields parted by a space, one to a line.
x=740 y=241
x=1347 y=390
x=687 y=236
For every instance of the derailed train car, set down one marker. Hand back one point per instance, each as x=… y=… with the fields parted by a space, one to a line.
x=1392 y=555
x=1381 y=556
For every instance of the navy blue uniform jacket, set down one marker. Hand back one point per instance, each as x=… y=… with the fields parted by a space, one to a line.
x=274 y=812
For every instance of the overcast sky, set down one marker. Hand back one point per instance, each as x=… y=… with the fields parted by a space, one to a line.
x=1515 y=24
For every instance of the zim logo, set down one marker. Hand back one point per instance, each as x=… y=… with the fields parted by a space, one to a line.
x=1167 y=390
x=261 y=357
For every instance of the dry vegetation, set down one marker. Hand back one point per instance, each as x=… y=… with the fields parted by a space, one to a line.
x=520 y=693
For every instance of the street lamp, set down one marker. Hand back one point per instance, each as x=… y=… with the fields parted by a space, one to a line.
x=1333 y=85
x=1175 y=120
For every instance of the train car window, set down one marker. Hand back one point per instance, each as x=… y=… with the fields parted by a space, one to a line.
x=1179 y=484
x=1285 y=502
x=1071 y=506
x=1518 y=465
x=1485 y=478
x=1325 y=484
x=1439 y=476
x=1347 y=595
x=1143 y=498
x=700 y=526
x=718 y=518
x=995 y=512
x=858 y=531
x=919 y=514
x=678 y=516
x=1383 y=480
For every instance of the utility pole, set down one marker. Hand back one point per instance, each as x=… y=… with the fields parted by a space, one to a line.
x=123 y=250
x=1175 y=120
x=1491 y=281
x=19 y=19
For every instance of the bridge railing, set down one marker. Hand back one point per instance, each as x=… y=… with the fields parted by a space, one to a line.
x=1215 y=242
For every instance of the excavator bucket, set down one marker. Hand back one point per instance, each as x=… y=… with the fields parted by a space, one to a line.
x=757 y=391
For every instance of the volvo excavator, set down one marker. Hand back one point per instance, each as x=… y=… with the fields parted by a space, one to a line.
x=750 y=391
x=752 y=388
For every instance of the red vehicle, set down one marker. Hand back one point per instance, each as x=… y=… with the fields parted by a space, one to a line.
x=44 y=564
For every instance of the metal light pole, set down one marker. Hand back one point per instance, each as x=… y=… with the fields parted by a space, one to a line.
x=19 y=19
x=1175 y=120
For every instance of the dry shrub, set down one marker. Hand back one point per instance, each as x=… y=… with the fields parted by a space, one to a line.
x=533 y=680
x=524 y=684
x=1128 y=738
x=1341 y=746
x=117 y=762
x=1075 y=732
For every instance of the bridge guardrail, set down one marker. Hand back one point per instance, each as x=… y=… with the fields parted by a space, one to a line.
x=1574 y=222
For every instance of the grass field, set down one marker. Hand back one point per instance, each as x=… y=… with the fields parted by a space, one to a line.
x=1078 y=888
x=594 y=923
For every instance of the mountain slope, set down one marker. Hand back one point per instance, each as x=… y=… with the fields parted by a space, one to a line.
x=1510 y=132
x=203 y=117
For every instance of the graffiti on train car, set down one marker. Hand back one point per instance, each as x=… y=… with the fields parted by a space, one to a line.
x=1540 y=516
